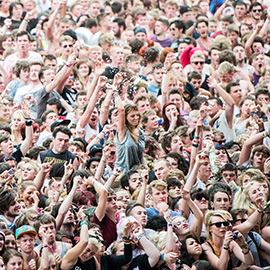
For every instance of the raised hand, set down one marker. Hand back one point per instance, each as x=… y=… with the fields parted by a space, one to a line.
x=68 y=168
x=102 y=80
x=99 y=68
x=46 y=167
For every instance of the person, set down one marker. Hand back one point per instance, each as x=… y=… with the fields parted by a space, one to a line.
x=130 y=140
x=12 y=257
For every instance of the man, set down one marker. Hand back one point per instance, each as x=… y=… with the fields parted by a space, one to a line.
x=159 y=195
x=232 y=33
x=66 y=46
x=154 y=87
x=9 y=207
x=229 y=173
x=256 y=10
x=240 y=55
x=30 y=92
x=143 y=102
x=59 y=152
x=118 y=28
x=94 y=8
x=46 y=228
x=50 y=61
x=170 y=142
x=240 y=10
x=25 y=239
x=170 y=9
x=131 y=181
x=214 y=57
x=161 y=28
x=162 y=168
x=132 y=62
x=234 y=89
x=105 y=24
x=149 y=121
x=151 y=58
x=176 y=31
x=204 y=41
x=22 y=42
x=257 y=62
x=52 y=84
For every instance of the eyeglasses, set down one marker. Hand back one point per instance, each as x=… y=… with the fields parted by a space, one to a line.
x=199 y=197
x=218 y=224
x=198 y=62
x=183 y=40
x=241 y=219
x=68 y=45
x=257 y=10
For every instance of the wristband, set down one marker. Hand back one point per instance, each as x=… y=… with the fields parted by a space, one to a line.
x=245 y=253
x=226 y=248
x=68 y=65
x=45 y=245
x=162 y=256
x=29 y=123
x=169 y=225
x=260 y=211
x=195 y=145
x=83 y=223
x=196 y=137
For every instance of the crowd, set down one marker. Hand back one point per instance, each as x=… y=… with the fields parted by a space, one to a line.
x=134 y=134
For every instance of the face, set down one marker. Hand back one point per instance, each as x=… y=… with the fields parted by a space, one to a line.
x=201 y=202
x=181 y=226
x=245 y=109
x=221 y=155
x=94 y=118
x=94 y=10
x=239 y=53
x=212 y=27
x=215 y=57
x=139 y=213
x=133 y=118
x=255 y=192
x=22 y=43
x=161 y=169
x=176 y=144
x=205 y=169
x=143 y=105
x=69 y=217
x=17 y=12
x=48 y=76
x=259 y=159
x=10 y=242
x=63 y=27
x=51 y=118
x=129 y=36
x=198 y=64
x=174 y=191
x=50 y=231
x=256 y=12
x=170 y=11
x=193 y=247
x=34 y=72
x=263 y=99
x=60 y=142
x=111 y=205
x=158 y=74
x=221 y=201
x=52 y=64
x=28 y=195
x=16 y=121
x=202 y=30
x=152 y=122
x=15 y=263
x=6 y=147
x=77 y=10
x=1 y=244
x=88 y=253
x=122 y=196
x=240 y=11
x=229 y=176
x=196 y=83
x=84 y=70
x=258 y=63
x=93 y=167
x=215 y=229
x=159 y=196
x=233 y=37
x=181 y=47
x=135 y=66
x=236 y=93
x=7 y=43
x=171 y=109
x=135 y=181
x=28 y=172
x=26 y=242
x=118 y=55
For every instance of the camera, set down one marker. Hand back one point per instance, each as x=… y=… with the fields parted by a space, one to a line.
x=235 y=236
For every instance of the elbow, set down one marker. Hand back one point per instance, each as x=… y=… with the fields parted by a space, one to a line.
x=104 y=193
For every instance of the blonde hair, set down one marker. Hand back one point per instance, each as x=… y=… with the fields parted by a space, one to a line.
x=157 y=184
x=20 y=165
x=225 y=67
x=197 y=54
x=215 y=213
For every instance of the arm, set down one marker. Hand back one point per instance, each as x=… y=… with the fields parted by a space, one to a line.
x=66 y=204
x=44 y=264
x=102 y=193
x=165 y=82
x=27 y=143
x=45 y=169
x=24 y=23
x=92 y=103
x=72 y=255
x=105 y=107
x=247 y=147
x=110 y=181
x=142 y=193
x=251 y=39
x=121 y=128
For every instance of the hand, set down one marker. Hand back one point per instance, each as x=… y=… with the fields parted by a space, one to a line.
x=58 y=259
x=46 y=167
x=35 y=196
x=144 y=175
x=117 y=171
x=82 y=20
x=118 y=78
x=167 y=63
x=89 y=181
x=162 y=207
x=30 y=99
x=106 y=151
x=201 y=158
x=240 y=240
x=170 y=257
x=25 y=108
x=228 y=238
x=71 y=59
x=99 y=68
x=8 y=23
x=102 y=80
x=128 y=229
x=260 y=203
x=32 y=264
x=260 y=26
x=43 y=235
x=68 y=168
x=30 y=15
x=174 y=116
x=168 y=216
x=186 y=195
x=81 y=215
x=212 y=83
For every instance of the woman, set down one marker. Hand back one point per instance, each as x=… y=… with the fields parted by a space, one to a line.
x=191 y=251
x=12 y=258
x=221 y=244
x=245 y=112
x=29 y=170
x=85 y=69
x=10 y=242
x=171 y=116
x=2 y=242
x=130 y=140
x=219 y=199
x=28 y=192
x=36 y=132
x=17 y=120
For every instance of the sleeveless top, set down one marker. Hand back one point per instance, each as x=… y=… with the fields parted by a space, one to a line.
x=129 y=153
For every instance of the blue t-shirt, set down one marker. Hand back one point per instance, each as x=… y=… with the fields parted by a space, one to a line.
x=154 y=90
x=153 y=212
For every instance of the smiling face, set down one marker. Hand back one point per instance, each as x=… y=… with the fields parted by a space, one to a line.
x=133 y=118
x=28 y=195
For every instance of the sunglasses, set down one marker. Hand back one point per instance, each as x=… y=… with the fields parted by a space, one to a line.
x=200 y=197
x=241 y=219
x=256 y=10
x=68 y=45
x=198 y=62
x=112 y=153
x=220 y=142
x=184 y=41
x=219 y=224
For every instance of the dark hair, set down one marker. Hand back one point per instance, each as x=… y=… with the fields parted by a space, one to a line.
x=229 y=167
x=9 y=254
x=220 y=185
x=62 y=129
x=261 y=91
x=54 y=101
x=187 y=258
x=44 y=219
x=179 y=24
x=227 y=55
x=12 y=6
x=151 y=54
x=125 y=178
x=194 y=75
x=120 y=21
x=172 y=182
x=197 y=101
x=239 y=211
x=203 y=265
x=156 y=223
x=181 y=162
x=166 y=123
x=213 y=193
x=116 y=7
x=136 y=44
x=90 y=160
x=218 y=100
x=230 y=85
x=7 y=198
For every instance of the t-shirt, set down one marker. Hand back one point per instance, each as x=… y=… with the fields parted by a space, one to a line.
x=154 y=90
x=151 y=211
x=42 y=97
x=108 y=228
x=49 y=155
x=69 y=96
x=164 y=43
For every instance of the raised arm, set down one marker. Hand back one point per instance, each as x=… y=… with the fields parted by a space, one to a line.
x=105 y=107
x=165 y=83
x=102 y=194
x=44 y=263
x=121 y=128
x=40 y=177
x=72 y=255
x=110 y=181
x=142 y=193
x=250 y=40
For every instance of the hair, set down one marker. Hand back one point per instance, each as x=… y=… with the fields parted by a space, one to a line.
x=19 y=66
x=128 y=109
x=62 y=129
x=208 y=219
x=166 y=122
x=230 y=85
x=213 y=193
x=151 y=54
x=203 y=265
x=157 y=184
x=7 y=197
x=44 y=219
x=194 y=75
x=197 y=101
x=125 y=178
x=227 y=56
x=23 y=218
x=226 y=67
x=181 y=162
x=156 y=223
x=164 y=54
x=10 y=253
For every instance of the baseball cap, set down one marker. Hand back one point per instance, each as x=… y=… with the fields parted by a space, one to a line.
x=184 y=9
x=25 y=229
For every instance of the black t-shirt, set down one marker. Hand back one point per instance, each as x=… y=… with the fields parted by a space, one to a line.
x=49 y=155
x=69 y=95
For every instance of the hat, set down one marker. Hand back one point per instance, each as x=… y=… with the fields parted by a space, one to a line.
x=95 y=148
x=25 y=229
x=184 y=9
x=139 y=29
x=58 y=123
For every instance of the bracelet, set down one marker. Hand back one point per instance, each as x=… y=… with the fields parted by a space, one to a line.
x=29 y=122
x=265 y=134
x=260 y=211
x=84 y=223
x=226 y=248
x=169 y=224
x=162 y=256
x=125 y=238
x=196 y=137
x=68 y=65
x=45 y=245
x=245 y=253
x=195 y=145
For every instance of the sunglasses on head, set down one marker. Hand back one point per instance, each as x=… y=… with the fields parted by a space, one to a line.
x=241 y=219
x=218 y=224
x=68 y=45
